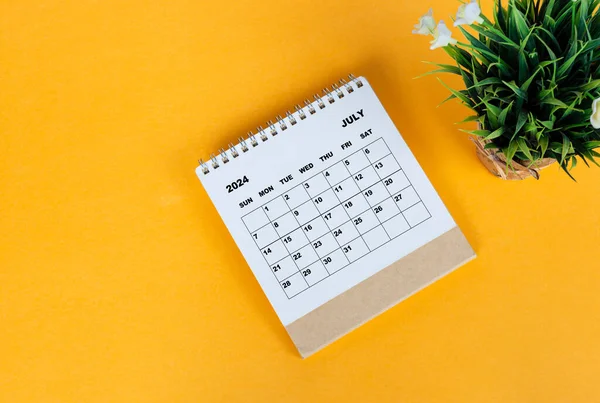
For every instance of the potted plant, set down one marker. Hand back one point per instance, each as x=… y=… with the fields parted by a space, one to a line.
x=532 y=79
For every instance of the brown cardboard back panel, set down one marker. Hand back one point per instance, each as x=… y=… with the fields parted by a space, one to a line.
x=379 y=292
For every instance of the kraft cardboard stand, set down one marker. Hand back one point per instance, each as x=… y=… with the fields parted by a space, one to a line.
x=379 y=292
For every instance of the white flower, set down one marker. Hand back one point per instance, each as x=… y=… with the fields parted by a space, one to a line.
x=442 y=37
x=426 y=24
x=468 y=14
x=595 y=118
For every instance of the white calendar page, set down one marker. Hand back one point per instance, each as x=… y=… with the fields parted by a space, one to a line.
x=325 y=204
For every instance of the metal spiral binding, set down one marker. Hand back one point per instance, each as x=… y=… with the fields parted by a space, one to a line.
x=243 y=144
x=300 y=112
x=252 y=139
x=291 y=118
x=261 y=133
x=319 y=101
x=311 y=109
x=330 y=97
x=281 y=123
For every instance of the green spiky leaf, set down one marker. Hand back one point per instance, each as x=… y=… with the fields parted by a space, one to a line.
x=530 y=74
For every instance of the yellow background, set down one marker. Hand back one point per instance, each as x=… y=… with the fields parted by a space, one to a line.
x=119 y=282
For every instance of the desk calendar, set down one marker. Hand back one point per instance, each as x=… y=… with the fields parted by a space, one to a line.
x=333 y=214
x=335 y=217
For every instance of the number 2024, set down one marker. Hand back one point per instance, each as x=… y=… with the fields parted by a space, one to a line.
x=237 y=184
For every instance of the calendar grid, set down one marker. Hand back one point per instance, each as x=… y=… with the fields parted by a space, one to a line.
x=354 y=179
x=270 y=223
x=313 y=202
x=335 y=217
x=311 y=244
x=319 y=173
x=351 y=218
x=382 y=222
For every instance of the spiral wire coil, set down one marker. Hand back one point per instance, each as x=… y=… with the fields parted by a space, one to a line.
x=282 y=123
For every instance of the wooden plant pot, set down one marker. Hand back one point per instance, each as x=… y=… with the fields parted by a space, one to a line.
x=495 y=162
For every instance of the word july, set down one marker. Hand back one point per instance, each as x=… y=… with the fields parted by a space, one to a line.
x=353 y=118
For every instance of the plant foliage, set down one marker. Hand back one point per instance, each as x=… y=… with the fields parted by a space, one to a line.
x=531 y=76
